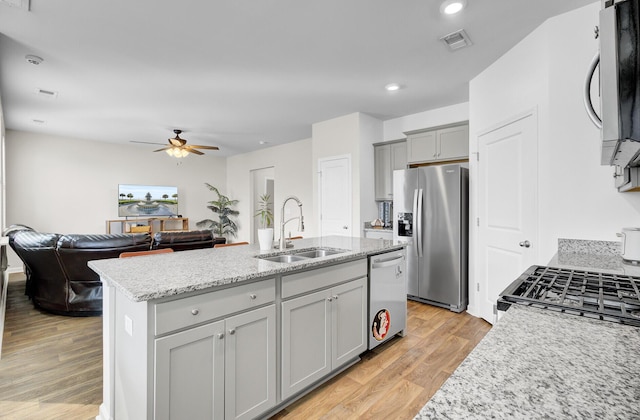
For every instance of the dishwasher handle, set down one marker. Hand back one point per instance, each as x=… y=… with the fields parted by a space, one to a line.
x=386 y=263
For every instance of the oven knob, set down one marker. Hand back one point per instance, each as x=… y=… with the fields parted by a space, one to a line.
x=525 y=244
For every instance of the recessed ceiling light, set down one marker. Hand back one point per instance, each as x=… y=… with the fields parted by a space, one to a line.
x=392 y=87
x=451 y=7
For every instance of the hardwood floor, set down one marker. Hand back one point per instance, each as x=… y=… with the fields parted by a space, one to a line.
x=51 y=366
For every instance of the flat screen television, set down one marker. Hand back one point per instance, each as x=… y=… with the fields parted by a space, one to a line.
x=147 y=200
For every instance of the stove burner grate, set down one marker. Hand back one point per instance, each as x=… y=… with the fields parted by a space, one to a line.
x=607 y=296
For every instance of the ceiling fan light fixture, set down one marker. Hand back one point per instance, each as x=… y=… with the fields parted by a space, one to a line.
x=177 y=152
x=451 y=7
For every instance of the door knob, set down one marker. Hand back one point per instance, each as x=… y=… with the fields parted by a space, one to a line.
x=525 y=244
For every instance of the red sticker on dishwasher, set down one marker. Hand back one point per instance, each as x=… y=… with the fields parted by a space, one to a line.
x=381 y=324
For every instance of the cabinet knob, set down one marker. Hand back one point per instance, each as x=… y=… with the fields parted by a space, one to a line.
x=232 y=331
x=252 y=296
x=195 y=311
x=330 y=299
x=335 y=297
x=220 y=336
x=525 y=244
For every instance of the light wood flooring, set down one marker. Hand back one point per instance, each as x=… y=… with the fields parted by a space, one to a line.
x=51 y=366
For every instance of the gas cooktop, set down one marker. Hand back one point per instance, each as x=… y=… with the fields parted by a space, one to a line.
x=605 y=296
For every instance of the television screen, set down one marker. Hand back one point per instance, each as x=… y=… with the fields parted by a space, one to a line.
x=147 y=200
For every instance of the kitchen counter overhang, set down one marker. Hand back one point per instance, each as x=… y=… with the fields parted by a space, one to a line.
x=159 y=276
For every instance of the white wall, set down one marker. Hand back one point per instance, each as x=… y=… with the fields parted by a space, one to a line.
x=394 y=129
x=546 y=72
x=352 y=135
x=55 y=184
x=293 y=176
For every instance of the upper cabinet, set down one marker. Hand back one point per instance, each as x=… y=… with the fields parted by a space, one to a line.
x=450 y=143
x=388 y=157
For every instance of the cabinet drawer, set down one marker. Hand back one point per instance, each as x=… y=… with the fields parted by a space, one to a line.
x=194 y=310
x=307 y=281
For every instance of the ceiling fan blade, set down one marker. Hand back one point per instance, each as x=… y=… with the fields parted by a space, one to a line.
x=164 y=148
x=196 y=146
x=177 y=142
x=145 y=142
x=194 y=151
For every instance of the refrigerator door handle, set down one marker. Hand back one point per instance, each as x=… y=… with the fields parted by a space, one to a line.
x=418 y=221
x=415 y=223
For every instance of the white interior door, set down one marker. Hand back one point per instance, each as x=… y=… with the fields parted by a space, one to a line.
x=334 y=195
x=507 y=207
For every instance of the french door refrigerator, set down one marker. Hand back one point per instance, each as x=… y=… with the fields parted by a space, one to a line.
x=430 y=205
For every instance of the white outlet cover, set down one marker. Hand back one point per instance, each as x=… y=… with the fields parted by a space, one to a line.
x=128 y=325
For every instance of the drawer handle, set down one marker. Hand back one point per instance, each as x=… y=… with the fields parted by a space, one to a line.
x=252 y=296
x=195 y=311
x=232 y=331
x=220 y=336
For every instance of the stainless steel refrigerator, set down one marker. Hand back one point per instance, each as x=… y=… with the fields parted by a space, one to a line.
x=430 y=206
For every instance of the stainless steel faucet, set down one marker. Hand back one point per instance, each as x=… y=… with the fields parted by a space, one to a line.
x=283 y=222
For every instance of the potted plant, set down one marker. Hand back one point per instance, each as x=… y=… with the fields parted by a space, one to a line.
x=222 y=206
x=265 y=215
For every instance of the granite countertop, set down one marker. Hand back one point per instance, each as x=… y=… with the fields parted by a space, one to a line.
x=156 y=276
x=543 y=364
x=600 y=256
x=536 y=364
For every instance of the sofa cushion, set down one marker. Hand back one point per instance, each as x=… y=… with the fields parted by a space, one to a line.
x=75 y=251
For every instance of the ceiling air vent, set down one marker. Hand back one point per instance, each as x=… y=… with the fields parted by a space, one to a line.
x=47 y=94
x=456 y=40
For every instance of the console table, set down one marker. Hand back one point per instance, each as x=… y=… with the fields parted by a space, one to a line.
x=157 y=224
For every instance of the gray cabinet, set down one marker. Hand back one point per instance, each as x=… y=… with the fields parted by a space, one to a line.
x=189 y=374
x=225 y=369
x=388 y=157
x=445 y=144
x=324 y=326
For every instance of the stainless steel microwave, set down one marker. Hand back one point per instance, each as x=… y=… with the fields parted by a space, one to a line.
x=619 y=65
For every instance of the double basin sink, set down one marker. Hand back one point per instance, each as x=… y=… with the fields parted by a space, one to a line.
x=301 y=255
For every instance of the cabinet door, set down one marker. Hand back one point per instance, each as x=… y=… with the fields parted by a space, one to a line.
x=306 y=345
x=250 y=363
x=422 y=147
x=189 y=374
x=383 y=180
x=398 y=157
x=454 y=143
x=348 y=321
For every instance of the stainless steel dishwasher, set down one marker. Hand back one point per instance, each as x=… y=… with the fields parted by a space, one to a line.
x=387 y=296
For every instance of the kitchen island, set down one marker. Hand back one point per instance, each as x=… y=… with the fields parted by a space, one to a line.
x=539 y=363
x=227 y=333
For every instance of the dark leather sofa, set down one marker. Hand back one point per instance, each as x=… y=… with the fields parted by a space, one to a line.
x=185 y=240
x=58 y=277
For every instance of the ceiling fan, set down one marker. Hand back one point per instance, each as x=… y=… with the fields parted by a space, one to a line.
x=178 y=147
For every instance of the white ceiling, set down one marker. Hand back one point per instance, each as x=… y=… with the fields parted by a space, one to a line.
x=232 y=73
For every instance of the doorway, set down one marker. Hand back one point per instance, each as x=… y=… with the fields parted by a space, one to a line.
x=262 y=182
x=507 y=207
x=334 y=195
